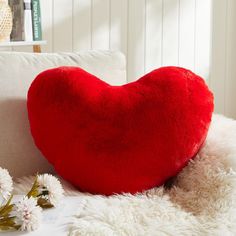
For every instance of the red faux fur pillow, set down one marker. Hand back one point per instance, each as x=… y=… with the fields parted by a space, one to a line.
x=113 y=139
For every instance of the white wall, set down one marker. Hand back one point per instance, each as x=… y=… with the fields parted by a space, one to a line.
x=151 y=33
x=196 y=34
x=223 y=69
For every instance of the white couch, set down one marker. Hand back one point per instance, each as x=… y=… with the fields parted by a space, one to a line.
x=203 y=201
x=17 y=70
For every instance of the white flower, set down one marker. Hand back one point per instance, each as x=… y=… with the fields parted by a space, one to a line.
x=50 y=188
x=5 y=183
x=28 y=214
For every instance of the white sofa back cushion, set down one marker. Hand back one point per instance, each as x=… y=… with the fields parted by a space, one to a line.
x=17 y=70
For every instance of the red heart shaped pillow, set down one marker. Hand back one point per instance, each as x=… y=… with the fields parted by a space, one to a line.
x=112 y=139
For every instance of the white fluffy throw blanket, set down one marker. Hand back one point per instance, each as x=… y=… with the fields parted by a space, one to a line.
x=201 y=201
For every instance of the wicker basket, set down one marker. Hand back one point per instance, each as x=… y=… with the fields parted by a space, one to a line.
x=5 y=20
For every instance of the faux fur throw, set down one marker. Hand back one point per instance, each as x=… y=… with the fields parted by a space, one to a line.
x=201 y=200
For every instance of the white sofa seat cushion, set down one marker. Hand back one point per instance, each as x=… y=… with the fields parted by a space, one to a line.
x=17 y=70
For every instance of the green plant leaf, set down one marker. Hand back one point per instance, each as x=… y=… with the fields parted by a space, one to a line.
x=8 y=223
x=6 y=209
x=43 y=203
x=34 y=190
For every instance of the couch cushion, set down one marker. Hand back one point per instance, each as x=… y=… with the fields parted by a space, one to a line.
x=17 y=70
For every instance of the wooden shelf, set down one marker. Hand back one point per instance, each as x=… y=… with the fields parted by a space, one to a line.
x=22 y=43
x=36 y=44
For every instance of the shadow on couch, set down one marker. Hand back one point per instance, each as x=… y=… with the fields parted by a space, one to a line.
x=18 y=152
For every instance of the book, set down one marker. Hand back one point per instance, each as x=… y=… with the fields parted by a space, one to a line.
x=17 y=8
x=28 y=28
x=36 y=17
